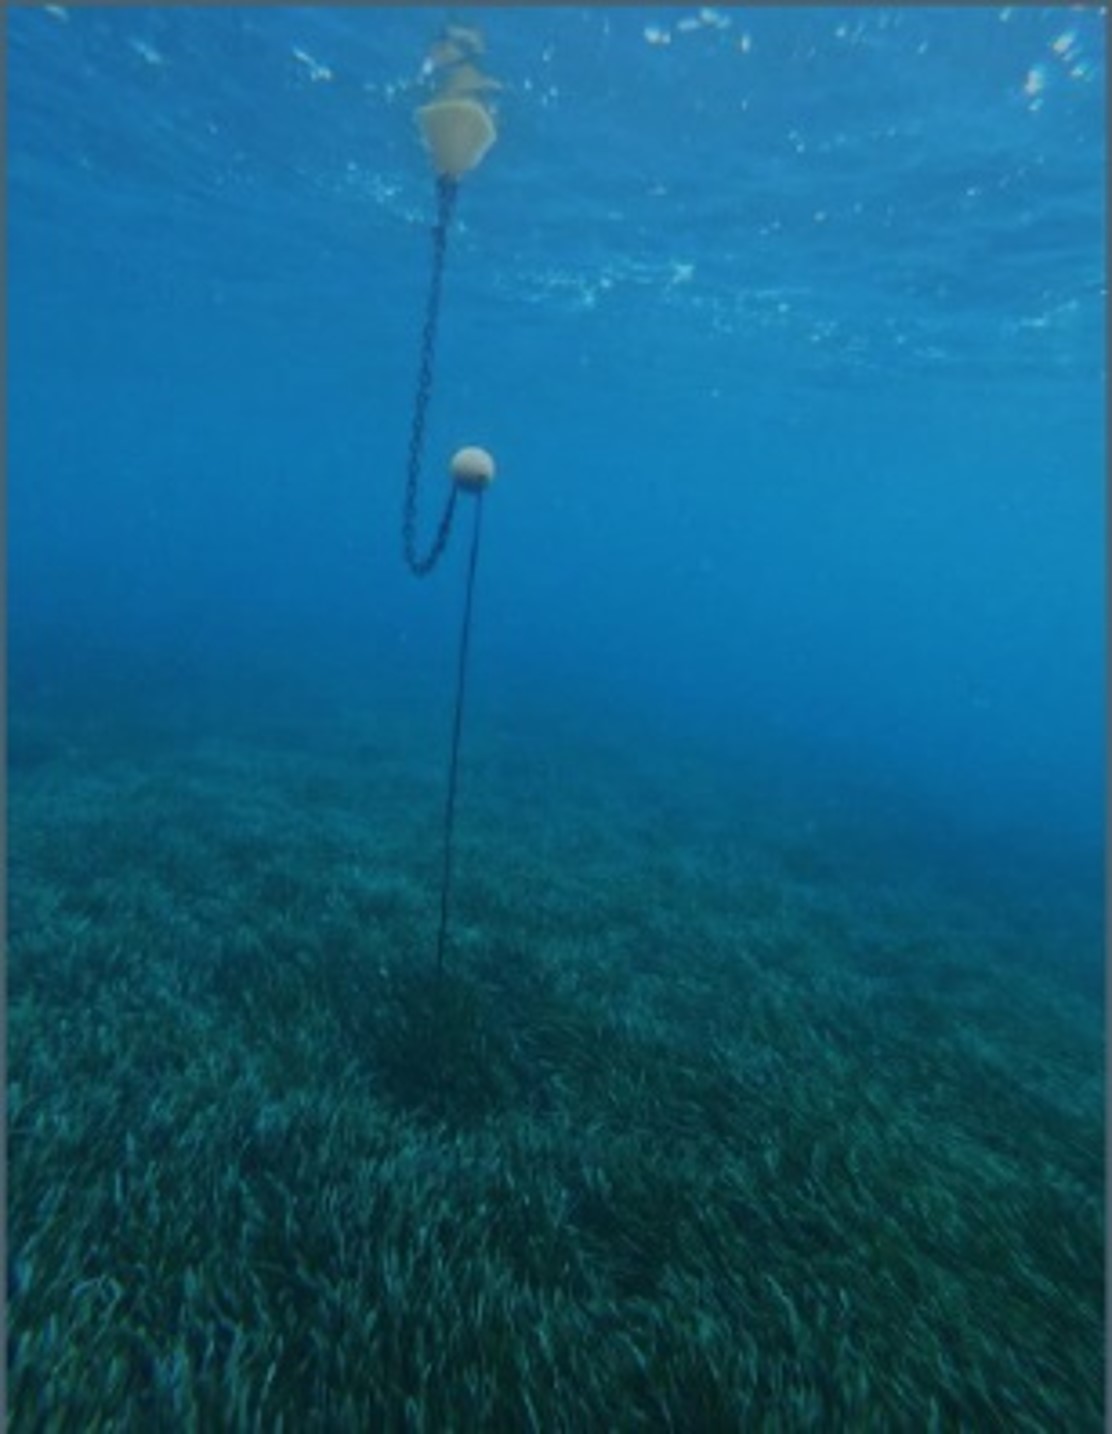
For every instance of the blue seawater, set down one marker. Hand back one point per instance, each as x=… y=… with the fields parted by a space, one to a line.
x=786 y=328
x=787 y=334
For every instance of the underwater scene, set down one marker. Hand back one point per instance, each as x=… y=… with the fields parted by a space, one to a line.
x=555 y=737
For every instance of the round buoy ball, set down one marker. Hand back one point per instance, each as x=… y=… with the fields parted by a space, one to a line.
x=472 y=468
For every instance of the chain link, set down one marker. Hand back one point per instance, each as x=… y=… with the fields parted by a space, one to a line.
x=446 y=190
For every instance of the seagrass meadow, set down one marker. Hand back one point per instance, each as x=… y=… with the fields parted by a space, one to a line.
x=727 y=1114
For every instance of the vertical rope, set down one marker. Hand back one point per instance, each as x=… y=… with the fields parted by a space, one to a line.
x=446 y=191
x=457 y=725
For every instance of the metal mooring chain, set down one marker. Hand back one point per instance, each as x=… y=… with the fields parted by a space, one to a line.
x=446 y=190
